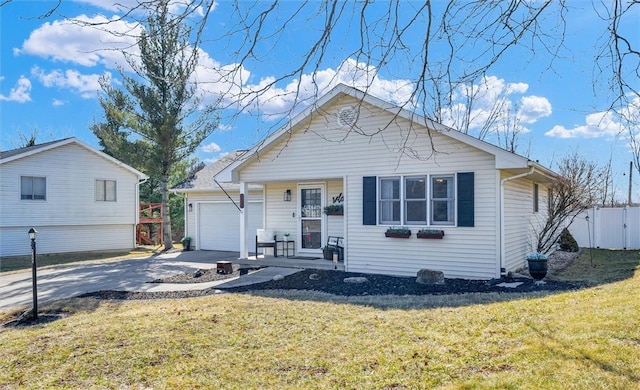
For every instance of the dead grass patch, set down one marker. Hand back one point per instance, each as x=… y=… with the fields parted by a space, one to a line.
x=584 y=339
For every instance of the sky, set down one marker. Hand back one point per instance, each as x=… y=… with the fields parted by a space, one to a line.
x=50 y=67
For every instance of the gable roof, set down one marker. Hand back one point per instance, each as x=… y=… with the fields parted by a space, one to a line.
x=504 y=159
x=16 y=154
x=203 y=180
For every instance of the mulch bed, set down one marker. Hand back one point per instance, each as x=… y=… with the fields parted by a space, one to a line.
x=333 y=282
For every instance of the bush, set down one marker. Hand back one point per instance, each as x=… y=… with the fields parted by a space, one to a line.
x=567 y=242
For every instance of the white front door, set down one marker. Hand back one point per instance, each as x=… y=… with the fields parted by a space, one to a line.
x=310 y=222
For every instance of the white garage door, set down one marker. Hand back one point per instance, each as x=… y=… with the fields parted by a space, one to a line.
x=219 y=226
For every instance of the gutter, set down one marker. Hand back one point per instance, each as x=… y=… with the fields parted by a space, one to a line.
x=502 y=232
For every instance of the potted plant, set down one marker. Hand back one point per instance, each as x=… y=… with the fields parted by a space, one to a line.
x=186 y=243
x=537 y=265
x=334 y=209
x=430 y=233
x=327 y=252
x=398 y=232
x=286 y=236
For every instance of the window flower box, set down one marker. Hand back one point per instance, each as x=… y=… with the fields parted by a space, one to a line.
x=398 y=233
x=430 y=233
x=334 y=209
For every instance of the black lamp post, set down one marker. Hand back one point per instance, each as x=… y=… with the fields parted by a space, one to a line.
x=32 y=236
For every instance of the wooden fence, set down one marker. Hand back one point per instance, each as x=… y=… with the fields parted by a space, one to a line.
x=608 y=227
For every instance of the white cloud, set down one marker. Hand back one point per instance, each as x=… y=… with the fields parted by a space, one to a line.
x=274 y=102
x=211 y=148
x=58 y=102
x=533 y=108
x=493 y=99
x=20 y=93
x=599 y=124
x=85 y=85
x=73 y=41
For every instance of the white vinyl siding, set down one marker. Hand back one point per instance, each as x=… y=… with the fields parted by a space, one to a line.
x=521 y=221
x=321 y=150
x=70 y=205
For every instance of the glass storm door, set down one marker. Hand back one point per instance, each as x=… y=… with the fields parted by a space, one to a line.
x=310 y=212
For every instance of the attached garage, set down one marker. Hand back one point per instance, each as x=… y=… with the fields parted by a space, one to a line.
x=211 y=217
x=218 y=225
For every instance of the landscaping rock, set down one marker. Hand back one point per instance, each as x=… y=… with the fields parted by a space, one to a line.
x=356 y=280
x=314 y=277
x=278 y=277
x=428 y=277
x=198 y=273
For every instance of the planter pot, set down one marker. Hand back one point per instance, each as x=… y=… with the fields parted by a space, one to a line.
x=398 y=235
x=335 y=213
x=327 y=254
x=437 y=236
x=537 y=268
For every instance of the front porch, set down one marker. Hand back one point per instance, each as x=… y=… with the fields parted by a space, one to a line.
x=271 y=261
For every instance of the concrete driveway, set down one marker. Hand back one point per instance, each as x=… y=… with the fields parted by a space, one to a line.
x=125 y=275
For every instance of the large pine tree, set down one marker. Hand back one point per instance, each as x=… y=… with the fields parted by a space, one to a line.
x=155 y=121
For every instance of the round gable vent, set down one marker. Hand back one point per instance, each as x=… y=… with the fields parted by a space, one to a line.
x=347 y=116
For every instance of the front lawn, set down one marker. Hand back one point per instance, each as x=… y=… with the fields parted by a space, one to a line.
x=17 y=263
x=585 y=339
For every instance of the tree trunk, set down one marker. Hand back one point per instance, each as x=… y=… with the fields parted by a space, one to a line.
x=166 y=216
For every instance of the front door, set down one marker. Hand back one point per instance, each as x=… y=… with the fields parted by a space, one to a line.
x=310 y=204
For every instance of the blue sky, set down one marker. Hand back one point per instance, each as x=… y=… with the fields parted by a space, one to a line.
x=49 y=70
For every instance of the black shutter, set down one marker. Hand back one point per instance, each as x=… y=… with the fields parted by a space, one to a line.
x=465 y=199
x=369 y=200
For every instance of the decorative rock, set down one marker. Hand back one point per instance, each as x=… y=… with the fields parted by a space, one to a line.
x=356 y=279
x=427 y=276
x=278 y=277
x=198 y=273
x=314 y=277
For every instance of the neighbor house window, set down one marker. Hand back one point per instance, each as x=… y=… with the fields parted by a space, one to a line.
x=105 y=190
x=33 y=188
x=536 y=202
x=410 y=201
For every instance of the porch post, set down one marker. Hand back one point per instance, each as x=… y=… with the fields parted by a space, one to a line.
x=244 y=221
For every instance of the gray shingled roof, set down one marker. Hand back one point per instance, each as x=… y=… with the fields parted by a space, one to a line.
x=15 y=152
x=203 y=179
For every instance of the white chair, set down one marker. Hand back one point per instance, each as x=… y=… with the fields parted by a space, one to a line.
x=266 y=238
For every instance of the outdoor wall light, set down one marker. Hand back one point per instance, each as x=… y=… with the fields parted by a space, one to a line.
x=190 y=207
x=287 y=196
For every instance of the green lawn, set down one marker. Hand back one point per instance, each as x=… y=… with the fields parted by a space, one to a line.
x=586 y=339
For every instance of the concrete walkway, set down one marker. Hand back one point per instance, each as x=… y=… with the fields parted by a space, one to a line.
x=124 y=275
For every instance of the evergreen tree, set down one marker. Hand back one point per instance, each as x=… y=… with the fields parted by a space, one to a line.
x=156 y=122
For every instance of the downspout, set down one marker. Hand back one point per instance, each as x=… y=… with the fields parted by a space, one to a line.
x=502 y=232
x=137 y=206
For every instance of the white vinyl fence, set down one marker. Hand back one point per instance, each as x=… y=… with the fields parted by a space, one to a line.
x=608 y=227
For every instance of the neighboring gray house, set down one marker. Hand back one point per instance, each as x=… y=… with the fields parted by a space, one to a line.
x=76 y=197
x=378 y=161
x=212 y=216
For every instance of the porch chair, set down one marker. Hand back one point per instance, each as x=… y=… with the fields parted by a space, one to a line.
x=266 y=238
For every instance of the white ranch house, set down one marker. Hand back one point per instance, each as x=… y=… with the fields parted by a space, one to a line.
x=378 y=161
x=76 y=197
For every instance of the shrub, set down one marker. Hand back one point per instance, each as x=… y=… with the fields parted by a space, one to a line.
x=567 y=242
